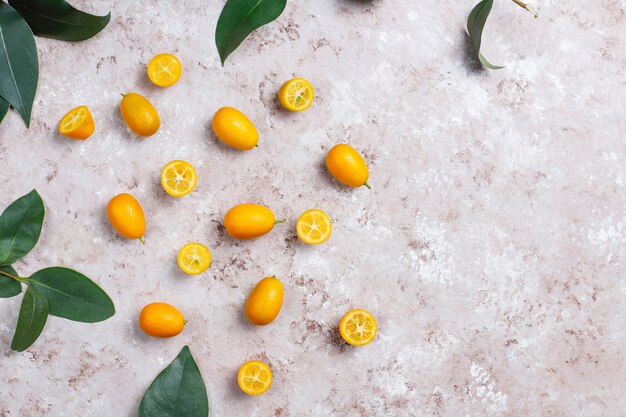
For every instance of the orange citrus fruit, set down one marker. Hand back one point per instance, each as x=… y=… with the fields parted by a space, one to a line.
x=235 y=129
x=140 y=115
x=358 y=327
x=296 y=94
x=178 y=178
x=247 y=221
x=254 y=377
x=164 y=70
x=161 y=320
x=265 y=301
x=77 y=124
x=347 y=165
x=314 y=227
x=126 y=216
x=194 y=258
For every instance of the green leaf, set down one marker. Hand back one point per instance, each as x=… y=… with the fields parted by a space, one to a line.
x=239 y=18
x=57 y=19
x=8 y=286
x=178 y=391
x=20 y=227
x=32 y=319
x=19 y=67
x=475 y=25
x=72 y=295
x=4 y=108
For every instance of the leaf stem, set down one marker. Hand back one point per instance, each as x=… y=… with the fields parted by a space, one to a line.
x=280 y=221
x=527 y=7
x=369 y=187
x=20 y=279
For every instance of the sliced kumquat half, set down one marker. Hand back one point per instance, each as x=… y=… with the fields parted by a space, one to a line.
x=77 y=124
x=178 y=178
x=358 y=327
x=164 y=70
x=254 y=377
x=314 y=227
x=194 y=258
x=296 y=94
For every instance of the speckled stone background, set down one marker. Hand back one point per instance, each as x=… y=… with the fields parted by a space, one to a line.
x=491 y=248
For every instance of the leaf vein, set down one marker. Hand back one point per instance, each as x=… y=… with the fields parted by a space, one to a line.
x=69 y=295
x=6 y=53
x=61 y=21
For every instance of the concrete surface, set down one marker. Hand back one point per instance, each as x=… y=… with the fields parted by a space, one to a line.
x=490 y=249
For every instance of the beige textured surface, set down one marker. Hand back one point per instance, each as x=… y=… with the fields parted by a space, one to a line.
x=491 y=247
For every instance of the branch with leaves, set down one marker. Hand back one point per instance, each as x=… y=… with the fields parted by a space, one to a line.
x=20 y=20
x=476 y=23
x=55 y=291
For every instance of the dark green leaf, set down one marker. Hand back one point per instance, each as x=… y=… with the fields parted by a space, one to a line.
x=72 y=295
x=20 y=226
x=239 y=18
x=19 y=67
x=8 y=286
x=4 y=108
x=475 y=25
x=178 y=391
x=32 y=319
x=57 y=19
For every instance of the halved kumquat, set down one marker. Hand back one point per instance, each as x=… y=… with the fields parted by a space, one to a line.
x=254 y=377
x=314 y=227
x=358 y=327
x=194 y=258
x=77 y=124
x=178 y=178
x=164 y=70
x=296 y=94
